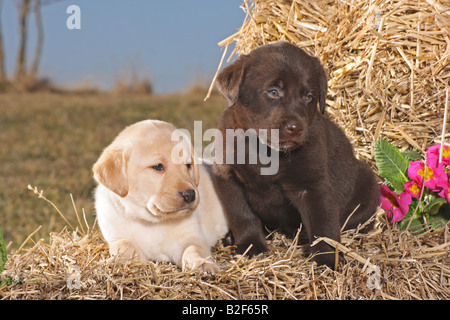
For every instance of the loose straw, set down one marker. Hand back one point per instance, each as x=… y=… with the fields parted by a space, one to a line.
x=217 y=72
x=389 y=56
x=444 y=126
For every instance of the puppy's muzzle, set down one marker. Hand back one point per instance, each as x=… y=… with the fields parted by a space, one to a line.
x=294 y=128
x=292 y=134
x=188 y=196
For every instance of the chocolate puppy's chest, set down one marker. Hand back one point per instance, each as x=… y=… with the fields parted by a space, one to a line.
x=268 y=201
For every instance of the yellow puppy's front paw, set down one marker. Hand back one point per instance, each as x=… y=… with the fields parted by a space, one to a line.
x=195 y=258
x=200 y=265
x=123 y=251
x=209 y=267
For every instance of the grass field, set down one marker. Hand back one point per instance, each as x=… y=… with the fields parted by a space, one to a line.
x=52 y=140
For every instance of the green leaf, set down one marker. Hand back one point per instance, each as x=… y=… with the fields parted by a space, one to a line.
x=435 y=221
x=391 y=164
x=417 y=221
x=439 y=220
x=3 y=256
x=412 y=155
x=433 y=207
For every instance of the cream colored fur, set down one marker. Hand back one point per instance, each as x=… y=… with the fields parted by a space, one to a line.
x=140 y=209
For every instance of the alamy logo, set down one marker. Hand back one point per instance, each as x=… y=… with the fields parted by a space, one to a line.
x=74 y=20
x=74 y=279
x=236 y=149
x=374 y=279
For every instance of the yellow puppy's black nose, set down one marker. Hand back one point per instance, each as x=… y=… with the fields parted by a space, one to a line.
x=188 y=196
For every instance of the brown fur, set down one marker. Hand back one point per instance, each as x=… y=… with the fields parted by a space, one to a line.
x=319 y=182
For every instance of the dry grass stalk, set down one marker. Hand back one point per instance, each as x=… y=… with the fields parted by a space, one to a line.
x=409 y=267
x=387 y=61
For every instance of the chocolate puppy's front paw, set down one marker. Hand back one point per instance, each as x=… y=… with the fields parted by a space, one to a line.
x=258 y=246
x=326 y=259
x=327 y=256
x=329 y=259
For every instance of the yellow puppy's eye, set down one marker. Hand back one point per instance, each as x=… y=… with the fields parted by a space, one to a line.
x=158 y=167
x=188 y=165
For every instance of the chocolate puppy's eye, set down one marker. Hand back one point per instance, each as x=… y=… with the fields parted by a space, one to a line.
x=273 y=93
x=309 y=97
x=158 y=167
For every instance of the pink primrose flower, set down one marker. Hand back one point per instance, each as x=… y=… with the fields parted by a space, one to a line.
x=413 y=188
x=433 y=155
x=445 y=193
x=436 y=178
x=396 y=207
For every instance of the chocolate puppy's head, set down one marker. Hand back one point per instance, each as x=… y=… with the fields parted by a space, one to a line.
x=277 y=86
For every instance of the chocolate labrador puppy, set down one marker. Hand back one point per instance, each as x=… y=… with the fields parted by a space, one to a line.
x=319 y=182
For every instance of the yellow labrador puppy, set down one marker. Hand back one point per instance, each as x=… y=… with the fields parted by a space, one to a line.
x=154 y=202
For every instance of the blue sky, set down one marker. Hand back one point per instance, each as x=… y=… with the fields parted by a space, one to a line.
x=173 y=42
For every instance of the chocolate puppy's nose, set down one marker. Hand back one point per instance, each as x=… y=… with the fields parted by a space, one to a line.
x=293 y=128
x=188 y=196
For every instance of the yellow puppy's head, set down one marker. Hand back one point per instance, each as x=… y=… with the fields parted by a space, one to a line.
x=144 y=166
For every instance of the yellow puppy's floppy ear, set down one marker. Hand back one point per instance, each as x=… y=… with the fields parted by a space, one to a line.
x=111 y=169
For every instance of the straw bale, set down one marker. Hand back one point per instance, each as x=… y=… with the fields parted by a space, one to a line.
x=388 y=69
x=387 y=62
x=409 y=267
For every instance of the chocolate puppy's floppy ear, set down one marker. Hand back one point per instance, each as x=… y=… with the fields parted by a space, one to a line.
x=230 y=79
x=323 y=82
x=111 y=169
